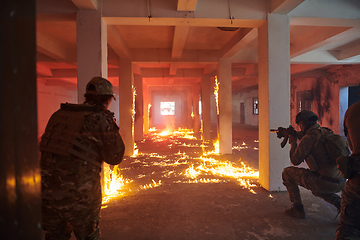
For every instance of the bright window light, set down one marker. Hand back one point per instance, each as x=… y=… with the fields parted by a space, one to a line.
x=167 y=108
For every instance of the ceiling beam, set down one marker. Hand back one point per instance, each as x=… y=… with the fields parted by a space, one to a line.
x=47 y=46
x=147 y=55
x=209 y=68
x=322 y=57
x=146 y=73
x=321 y=10
x=300 y=68
x=201 y=22
x=348 y=52
x=242 y=38
x=136 y=68
x=86 y=4
x=251 y=69
x=170 y=82
x=208 y=13
x=186 y=5
x=325 y=22
x=284 y=6
x=316 y=38
x=40 y=69
x=117 y=43
x=163 y=72
x=180 y=35
x=172 y=69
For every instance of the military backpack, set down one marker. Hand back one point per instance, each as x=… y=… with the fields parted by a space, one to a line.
x=335 y=144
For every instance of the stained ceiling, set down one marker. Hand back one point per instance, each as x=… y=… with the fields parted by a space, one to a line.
x=323 y=34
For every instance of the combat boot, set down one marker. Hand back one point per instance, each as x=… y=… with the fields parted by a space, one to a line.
x=296 y=210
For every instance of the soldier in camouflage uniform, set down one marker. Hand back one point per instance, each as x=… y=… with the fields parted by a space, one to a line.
x=77 y=139
x=322 y=178
x=349 y=226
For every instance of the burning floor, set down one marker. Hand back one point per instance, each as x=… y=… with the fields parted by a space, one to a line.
x=177 y=187
x=166 y=158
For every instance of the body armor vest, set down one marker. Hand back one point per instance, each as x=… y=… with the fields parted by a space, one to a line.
x=62 y=134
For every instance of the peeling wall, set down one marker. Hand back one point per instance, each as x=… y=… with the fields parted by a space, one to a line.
x=325 y=94
x=328 y=97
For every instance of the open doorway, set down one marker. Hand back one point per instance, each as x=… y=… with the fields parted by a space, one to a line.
x=347 y=97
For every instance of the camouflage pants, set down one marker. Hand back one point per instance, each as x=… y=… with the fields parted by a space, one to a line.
x=349 y=226
x=71 y=198
x=293 y=177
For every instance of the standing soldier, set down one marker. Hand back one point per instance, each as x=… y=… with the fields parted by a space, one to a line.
x=349 y=226
x=323 y=178
x=77 y=139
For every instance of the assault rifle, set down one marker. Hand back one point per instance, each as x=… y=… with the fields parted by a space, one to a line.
x=284 y=133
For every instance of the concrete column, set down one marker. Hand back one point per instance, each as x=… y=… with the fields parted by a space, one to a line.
x=196 y=124
x=126 y=104
x=189 y=121
x=91 y=31
x=205 y=107
x=225 y=106
x=274 y=98
x=146 y=108
x=151 y=112
x=20 y=178
x=139 y=106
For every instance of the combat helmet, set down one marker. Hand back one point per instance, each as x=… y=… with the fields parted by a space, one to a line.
x=308 y=117
x=99 y=86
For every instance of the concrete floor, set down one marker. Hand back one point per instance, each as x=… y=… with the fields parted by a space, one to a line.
x=177 y=209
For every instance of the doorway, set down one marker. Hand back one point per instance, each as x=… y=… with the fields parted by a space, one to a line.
x=242 y=113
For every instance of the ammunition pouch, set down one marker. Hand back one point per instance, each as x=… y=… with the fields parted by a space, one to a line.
x=62 y=135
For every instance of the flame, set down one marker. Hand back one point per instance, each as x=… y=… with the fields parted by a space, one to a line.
x=216 y=93
x=216 y=145
x=133 y=111
x=165 y=133
x=136 y=151
x=114 y=183
x=181 y=167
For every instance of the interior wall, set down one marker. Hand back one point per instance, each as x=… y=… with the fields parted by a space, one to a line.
x=324 y=99
x=180 y=95
x=49 y=99
x=247 y=99
x=328 y=100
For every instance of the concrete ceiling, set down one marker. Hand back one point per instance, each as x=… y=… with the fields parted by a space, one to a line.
x=179 y=40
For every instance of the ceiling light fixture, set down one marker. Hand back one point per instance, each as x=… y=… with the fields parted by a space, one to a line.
x=228 y=28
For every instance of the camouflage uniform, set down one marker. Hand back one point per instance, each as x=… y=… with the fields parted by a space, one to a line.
x=349 y=226
x=77 y=139
x=323 y=178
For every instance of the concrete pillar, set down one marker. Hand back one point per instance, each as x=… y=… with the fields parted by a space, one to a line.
x=196 y=123
x=205 y=107
x=91 y=31
x=225 y=106
x=151 y=112
x=139 y=106
x=146 y=108
x=126 y=104
x=20 y=179
x=189 y=120
x=274 y=98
